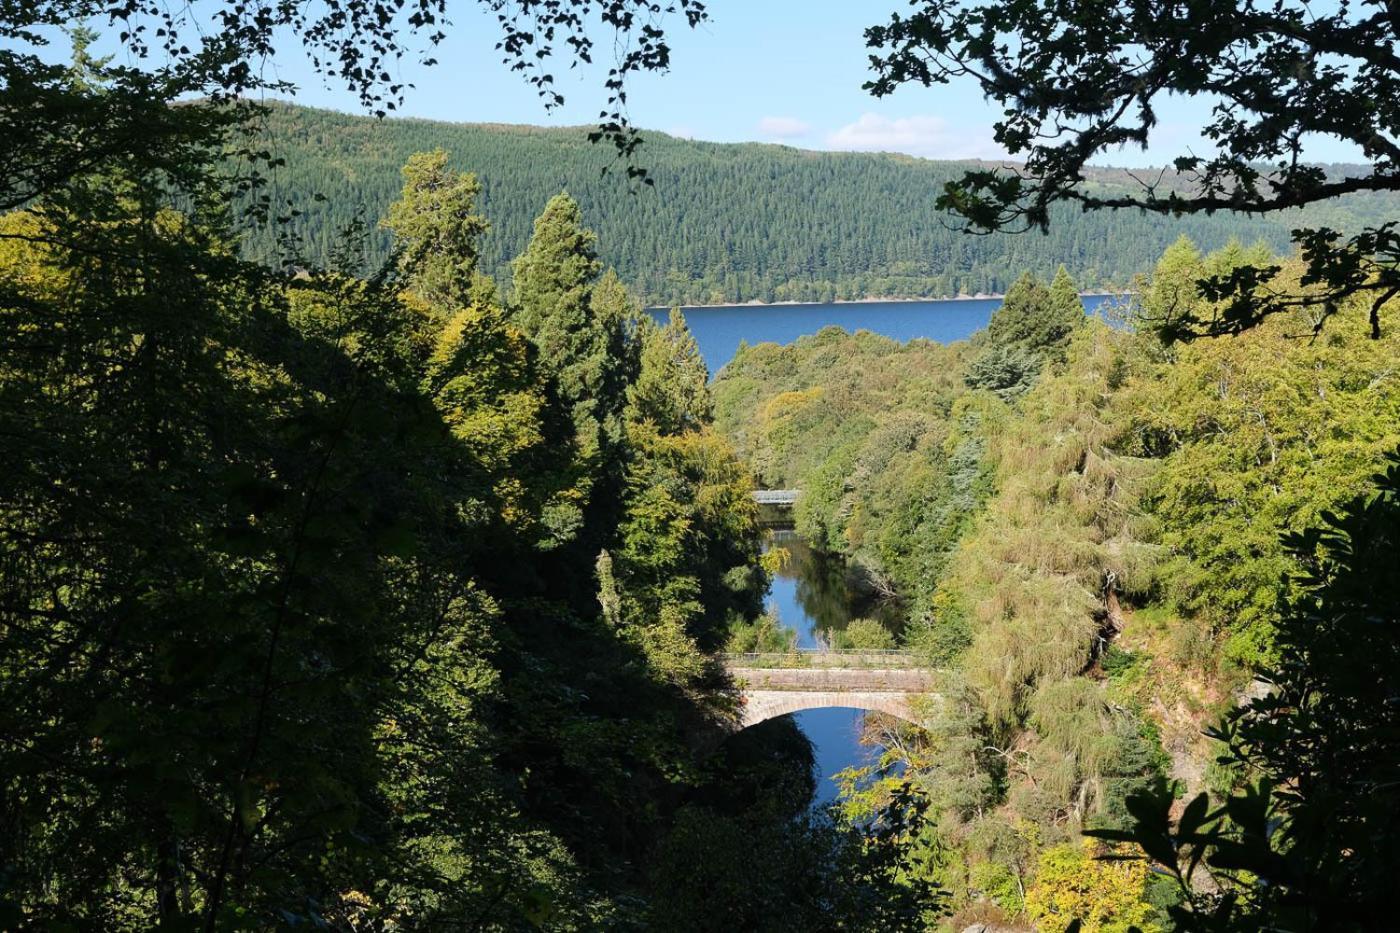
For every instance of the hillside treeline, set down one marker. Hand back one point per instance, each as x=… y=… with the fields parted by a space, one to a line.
x=1085 y=529
x=725 y=222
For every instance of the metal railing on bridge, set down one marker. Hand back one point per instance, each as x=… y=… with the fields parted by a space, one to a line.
x=776 y=496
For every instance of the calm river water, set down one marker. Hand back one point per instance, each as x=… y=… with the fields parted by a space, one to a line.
x=812 y=596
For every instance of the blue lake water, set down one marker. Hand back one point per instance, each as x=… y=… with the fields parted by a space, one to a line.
x=807 y=595
x=719 y=329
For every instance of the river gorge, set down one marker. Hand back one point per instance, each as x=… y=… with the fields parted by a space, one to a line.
x=815 y=595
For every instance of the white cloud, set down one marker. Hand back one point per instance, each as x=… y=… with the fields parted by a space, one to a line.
x=927 y=136
x=782 y=127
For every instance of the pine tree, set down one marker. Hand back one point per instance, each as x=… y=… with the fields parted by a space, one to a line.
x=437 y=231
x=1006 y=371
x=1035 y=318
x=553 y=305
x=1172 y=294
x=86 y=72
x=1066 y=309
x=620 y=321
x=672 y=388
x=579 y=326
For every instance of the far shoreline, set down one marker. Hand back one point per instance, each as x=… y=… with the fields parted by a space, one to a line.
x=755 y=303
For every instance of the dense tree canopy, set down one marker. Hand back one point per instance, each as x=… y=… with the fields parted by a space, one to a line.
x=1307 y=841
x=1093 y=558
x=353 y=590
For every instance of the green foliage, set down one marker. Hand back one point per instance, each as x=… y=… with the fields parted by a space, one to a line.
x=672 y=387
x=1006 y=371
x=1035 y=318
x=1032 y=327
x=245 y=552
x=295 y=625
x=797 y=226
x=436 y=231
x=869 y=634
x=1306 y=843
x=1103 y=896
x=687 y=562
x=583 y=333
x=1061 y=531
x=1084 y=68
x=1019 y=534
x=766 y=633
x=552 y=303
x=888 y=458
x=358 y=600
x=1139 y=763
x=1258 y=434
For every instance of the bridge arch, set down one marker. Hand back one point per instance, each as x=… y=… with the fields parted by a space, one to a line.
x=776 y=684
x=763 y=705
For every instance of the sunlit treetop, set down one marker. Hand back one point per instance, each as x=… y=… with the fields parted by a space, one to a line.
x=1082 y=78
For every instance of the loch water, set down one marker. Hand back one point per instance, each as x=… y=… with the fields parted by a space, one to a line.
x=719 y=329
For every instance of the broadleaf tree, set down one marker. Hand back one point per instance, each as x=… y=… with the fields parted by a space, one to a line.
x=1077 y=82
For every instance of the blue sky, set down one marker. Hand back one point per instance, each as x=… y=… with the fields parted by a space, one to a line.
x=785 y=71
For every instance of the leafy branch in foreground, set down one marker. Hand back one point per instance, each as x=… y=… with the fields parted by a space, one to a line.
x=221 y=49
x=1079 y=82
x=1311 y=843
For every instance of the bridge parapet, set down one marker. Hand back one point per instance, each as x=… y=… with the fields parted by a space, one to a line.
x=841 y=657
x=835 y=680
x=785 y=497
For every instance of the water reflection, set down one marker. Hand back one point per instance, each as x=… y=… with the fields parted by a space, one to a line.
x=828 y=593
x=817 y=595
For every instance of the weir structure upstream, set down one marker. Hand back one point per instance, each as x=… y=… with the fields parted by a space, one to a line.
x=775 y=684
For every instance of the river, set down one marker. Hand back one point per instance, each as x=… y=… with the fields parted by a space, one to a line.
x=812 y=596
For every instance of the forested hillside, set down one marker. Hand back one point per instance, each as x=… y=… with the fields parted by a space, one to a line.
x=733 y=223
x=1083 y=527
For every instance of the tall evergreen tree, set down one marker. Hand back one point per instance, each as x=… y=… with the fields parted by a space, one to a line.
x=553 y=304
x=437 y=230
x=1171 y=290
x=672 y=388
x=1036 y=318
x=1066 y=308
x=578 y=325
x=620 y=321
x=1032 y=327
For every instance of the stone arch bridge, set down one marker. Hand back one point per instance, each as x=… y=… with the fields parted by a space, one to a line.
x=775 y=684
